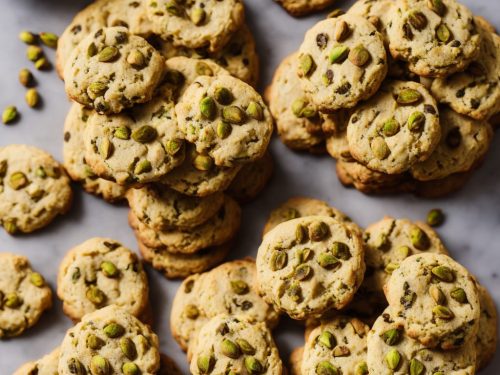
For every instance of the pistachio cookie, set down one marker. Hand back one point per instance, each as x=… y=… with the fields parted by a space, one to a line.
x=218 y=230
x=309 y=265
x=198 y=176
x=225 y=118
x=463 y=145
x=337 y=145
x=74 y=160
x=378 y=12
x=437 y=38
x=486 y=342
x=436 y=298
x=227 y=289
x=101 y=272
x=396 y=129
x=341 y=62
x=198 y=23
x=298 y=8
x=442 y=187
x=112 y=69
x=295 y=361
x=34 y=189
x=336 y=346
x=136 y=147
x=47 y=365
x=110 y=339
x=297 y=120
x=168 y=366
x=162 y=208
x=236 y=345
x=24 y=295
x=252 y=179
x=476 y=91
x=392 y=351
x=175 y=266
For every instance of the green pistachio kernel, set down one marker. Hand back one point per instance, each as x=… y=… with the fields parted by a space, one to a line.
x=3 y=168
x=391 y=127
x=391 y=267
x=342 y=30
x=341 y=351
x=9 y=114
x=253 y=365
x=198 y=16
x=359 y=56
x=97 y=89
x=25 y=77
x=416 y=367
x=301 y=234
x=254 y=110
x=304 y=255
x=361 y=369
x=42 y=64
x=173 y=8
x=341 y=250
x=326 y=339
x=306 y=65
x=419 y=238
x=91 y=50
x=459 y=295
x=191 y=312
x=49 y=39
x=245 y=347
x=27 y=37
x=404 y=251
x=239 y=287
x=338 y=54
x=203 y=163
x=10 y=226
x=408 y=96
x=223 y=96
x=205 y=363
x=173 y=146
x=136 y=59
x=224 y=129
x=95 y=343
x=144 y=166
x=108 y=54
x=203 y=69
x=437 y=294
x=37 y=280
x=318 y=231
x=392 y=336
x=106 y=148
x=109 y=269
x=233 y=115
x=144 y=134
x=128 y=348
x=328 y=261
x=230 y=349
x=392 y=359
x=379 y=148
x=278 y=260
x=18 y=180
x=33 y=53
x=416 y=121
x=295 y=292
x=443 y=33
x=12 y=300
x=437 y=6
x=435 y=217
x=76 y=367
x=32 y=98
x=99 y=365
x=443 y=273
x=95 y=295
x=114 y=330
x=443 y=312
x=123 y=132
x=208 y=108
x=418 y=20
x=130 y=368
x=326 y=368
x=303 y=272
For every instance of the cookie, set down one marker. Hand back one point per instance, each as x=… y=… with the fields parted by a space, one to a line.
x=396 y=129
x=483 y=23
x=338 y=345
x=463 y=145
x=309 y=265
x=297 y=207
x=337 y=145
x=225 y=118
x=341 y=62
x=168 y=366
x=110 y=339
x=235 y=344
x=34 y=189
x=196 y=24
x=101 y=272
x=74 y=160
x=227 y=289
x=176 y=266
x=436 y=298
x=162 y=208
x=112 y=69
x=252 y=179
x=198 y=176
x=298 y=8
x=47 y=365
x=295 y=361
x=437 y=39
x=137 y=147
x=378 y=12
x=486 y=341
x=442 y=187
x=24 y=295
x=392 y=351
x=218 y=230
x=297 y=120
x=474 y=92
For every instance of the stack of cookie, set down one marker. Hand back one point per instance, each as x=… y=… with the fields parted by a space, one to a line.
x=401 y=93
x=426 y=312
x=165 y=116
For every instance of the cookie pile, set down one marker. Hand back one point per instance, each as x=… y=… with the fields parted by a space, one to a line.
x=402 y=93
x=164 y=115
x=386 y=300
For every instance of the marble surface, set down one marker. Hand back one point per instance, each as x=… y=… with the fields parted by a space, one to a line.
x=471 y=232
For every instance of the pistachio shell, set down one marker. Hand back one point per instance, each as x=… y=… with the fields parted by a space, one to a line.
x=37 y=280
x=144 y=134
x=108 y=54
x=114 y=330
x=233 y=115
x=435 y=217
x=223 y=96
x=392 y=359
x=27 y=37
x=9 y=114
x=338 y=54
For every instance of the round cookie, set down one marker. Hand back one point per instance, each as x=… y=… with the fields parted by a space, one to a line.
x=309 y=265
x=198 y=23
x=101 y=272
x=136 y=147
x=395 y=129
x=297 y=207
x=175 y=266
x=112 y=69
x=47 y=365
x=336 y=346
x=437 y=40
x=474 y=92
x=298 y=8
x=436 y=298
x=24 y=295
x=341 y=62
x=225 y=118
x=336 y=141
x=252 y=179
x=391 y=351
x=161 y=208
x=34 y=189
x=442 y=187
x=218 y=230
x=197 y=176
x=297 y=120
x=235 y=344
x=463 y=145
x=74 y=160
x=486 y=341
x=227 y=289
x=483 y=23
x=295 y=361
x=168 y=366
x=110 y=338
x=378 y=12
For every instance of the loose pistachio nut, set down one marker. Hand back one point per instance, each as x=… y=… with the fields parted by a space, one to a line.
x=359 y=56
x=224 y=129
x=223 y=96
x=108 y=54
x=203 y=163
x=136 y=59
x=233 y=115
x=253 y=365
x=416 y=367
x=42 y=64
x=27 y=37
x=380 y=148
x=435 y=217
x=95 y=295
x=198 y=16
x=49 y=39
x=18 y=180
x=443 y=312
x=25 y=77
x=230 y=349
x=99 y=365
x=390 y=127
x=9 y=114
x=33 y=53
x=419 y=238
x=408 y=96
x=254 y=110
x=37 y=280
x=392 y=359
x=109 y=269
x=443 y=273
x=416 y=121
x=326 y=368
x=338 y=54
x=205 y=363
x=144 y=134
x=326 y=339
x=306 y=65
x=130 y=368
x=32 y=98
x=239 y=287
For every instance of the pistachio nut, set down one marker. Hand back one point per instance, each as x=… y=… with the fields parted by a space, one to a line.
x=239 y=287
x=338 y=54
x=326 y=339
x=144 y=134
x=173 y=8
x=416 y=121
x=301 y=108
x=437 y=6
x=306 y=65
x=12 y=300
x=91 y=50
x=322 y=40
x=443 y=312
x=418 y=20
x=136 y=59
x=99 y=365
x=106 y=148
x=37 y=280
x=25 y=77
x=359 y=56
x=404 y=251
x=304 y=255
x=173 y=146
x=114 y=330
x=224 y=129
x=318 y=231
x=10 y=226
x=96 y=89
x=419 y=238
x=144 y=166
x=205 y=363
x=341 y=250
x=49 y=39
x=408 y=96
x=95 y=295
x=253 y=365
x=109 y=269
x=326 y=368
x=435 y=217
x=191 y=312
x=95 y=343
x=128 y=348
x=27 y=37
x=392 y=359
x=443 y=273
x=198 y=16
x=391 y=267
x=203 y=69
x=76 y=367
x=203 y=163
x=335 y=13
x=42 y=64
x=301 y=234
x=278 y=260
x=130 y=368
x=254 y=110
x=416 y=367
x=9 y=114
x=245 y=347
x=342 y=30
x=443 y=33
x=233 y=115
x=341 y=351
x=295 y=292
x=3 y=168
x=223 y=96
x=392 y=336
x=328 y=261
x=390 y=127
x=230 y=349
x=33 y=53
x=108 y=54
x=122 y=132
x=303 y=272
x=361 y=369
x=18 y=180
x=459 y=295
x=437 y=294
x=32 y=98
x=380 y=148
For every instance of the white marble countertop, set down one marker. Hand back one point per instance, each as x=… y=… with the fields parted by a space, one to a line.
x=471 y=232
